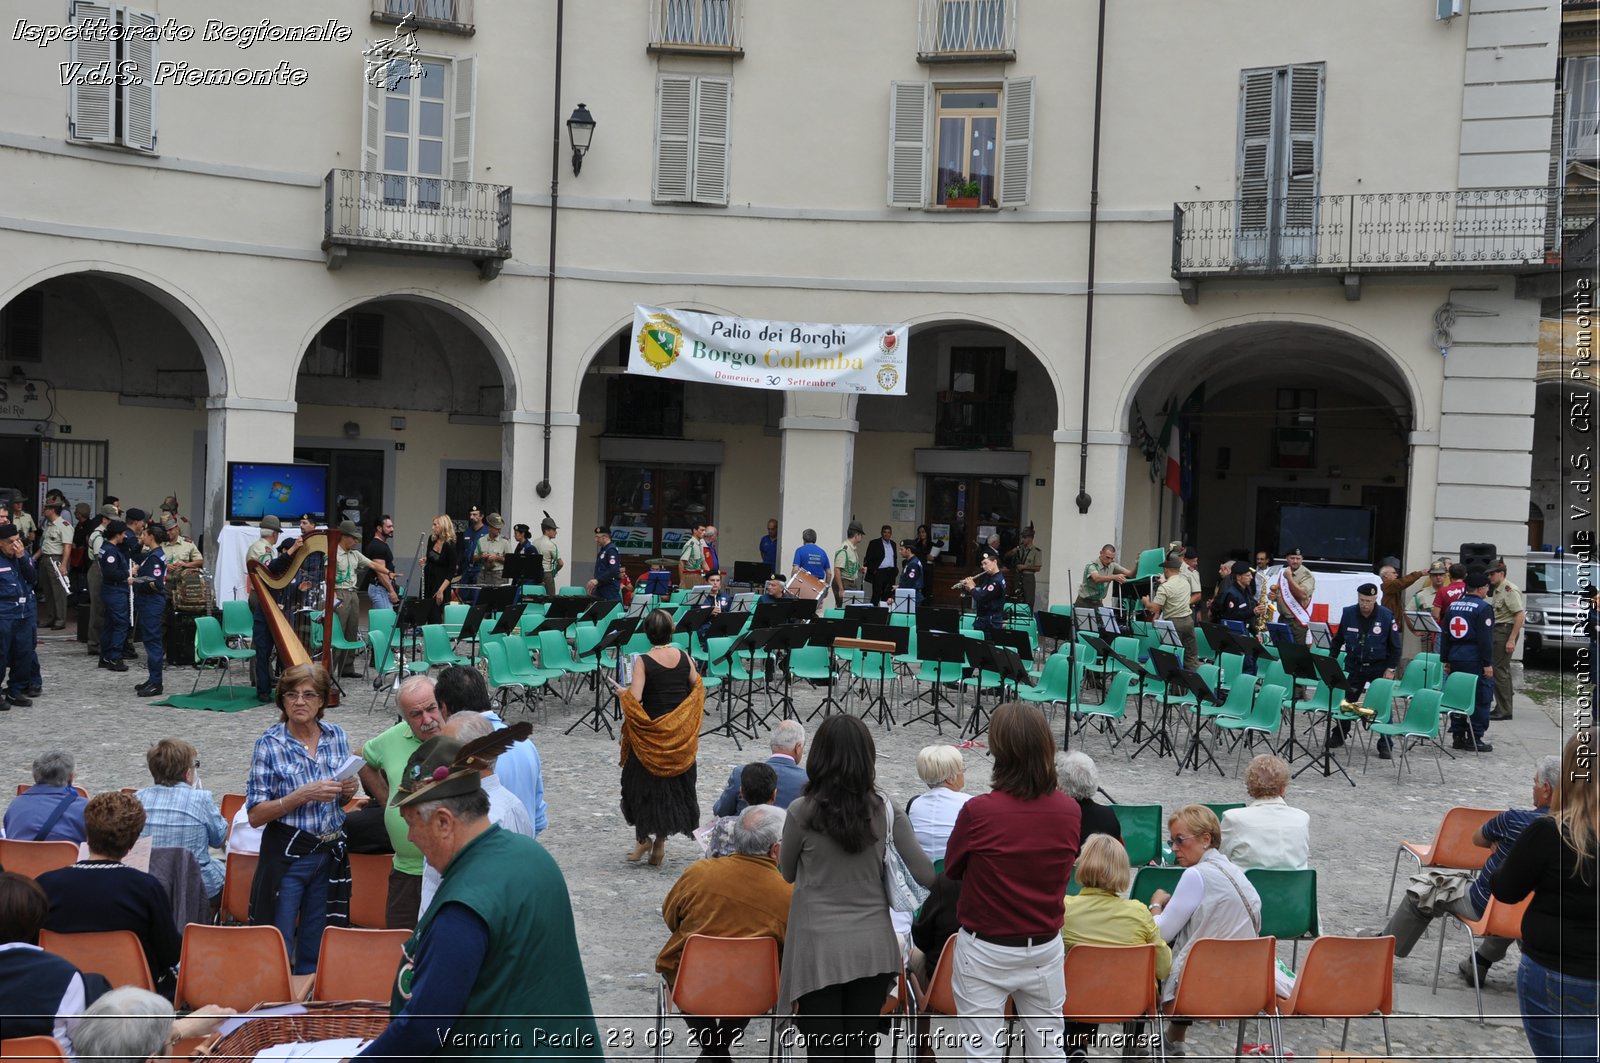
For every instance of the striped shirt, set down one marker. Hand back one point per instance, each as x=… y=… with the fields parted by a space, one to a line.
x=280 y=764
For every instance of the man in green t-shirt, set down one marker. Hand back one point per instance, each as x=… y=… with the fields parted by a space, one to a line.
x=386 y=757
x=1098 y=576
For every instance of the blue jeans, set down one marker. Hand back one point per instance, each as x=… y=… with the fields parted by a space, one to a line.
x=303 y=896
x=261 y=639
x=378 y=596
x=1558 y=1012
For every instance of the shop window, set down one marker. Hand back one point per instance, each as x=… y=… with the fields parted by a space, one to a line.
x=651 y=510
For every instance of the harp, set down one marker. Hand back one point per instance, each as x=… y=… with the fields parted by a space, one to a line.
x=263 y=583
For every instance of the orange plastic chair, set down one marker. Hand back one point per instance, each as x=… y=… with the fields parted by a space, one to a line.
x=358 y=964
x=721 y=978
x=231 y=804
x=35 y=858
x=1230 y=978
x=1452 y=847
x=237 y=967
x=1345 y=978
x=238 y=876
x=1498 y=921
x=22 y=786
x=369 y=890
x=116 y=954
x=1110 y=983
x=31 y=1048
x=940 y=998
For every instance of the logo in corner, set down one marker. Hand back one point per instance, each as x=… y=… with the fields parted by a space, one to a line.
x=889 y=341
x=888 y=377
x=660 y=341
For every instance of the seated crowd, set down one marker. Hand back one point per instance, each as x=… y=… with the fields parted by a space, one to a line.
x=804 y=849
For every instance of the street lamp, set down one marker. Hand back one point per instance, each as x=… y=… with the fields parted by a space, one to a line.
x=580 y=131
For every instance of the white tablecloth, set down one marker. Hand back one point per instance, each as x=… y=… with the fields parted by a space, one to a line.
x=1336 y=590
x=228 y=576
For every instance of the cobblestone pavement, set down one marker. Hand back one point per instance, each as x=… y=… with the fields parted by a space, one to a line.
x=1355 y=829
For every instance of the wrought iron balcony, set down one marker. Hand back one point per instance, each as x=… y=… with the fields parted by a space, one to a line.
x=448 y=16
x=416 y=215
x=1485 y=229
x=696 y=27
x=966 y=31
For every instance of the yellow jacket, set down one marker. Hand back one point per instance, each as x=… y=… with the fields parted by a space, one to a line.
x=1098 y=917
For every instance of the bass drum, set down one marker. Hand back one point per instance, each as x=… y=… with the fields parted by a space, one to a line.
x=180 y=638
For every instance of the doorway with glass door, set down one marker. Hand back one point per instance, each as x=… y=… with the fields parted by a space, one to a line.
x=963 y=511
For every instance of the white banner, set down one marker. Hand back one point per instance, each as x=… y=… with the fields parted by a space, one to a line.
x=770 y=355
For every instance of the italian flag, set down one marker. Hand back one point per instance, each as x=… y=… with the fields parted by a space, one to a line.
x=1174 y=473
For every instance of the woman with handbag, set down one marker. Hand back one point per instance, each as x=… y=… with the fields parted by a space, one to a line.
x=1013 y=849
x=840 y=953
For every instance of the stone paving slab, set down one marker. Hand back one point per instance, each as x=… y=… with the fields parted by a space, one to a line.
x=1355 y=829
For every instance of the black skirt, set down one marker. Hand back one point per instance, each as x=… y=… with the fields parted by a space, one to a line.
x=658 y=805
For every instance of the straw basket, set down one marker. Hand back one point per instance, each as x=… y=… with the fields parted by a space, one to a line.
x=321 y=1022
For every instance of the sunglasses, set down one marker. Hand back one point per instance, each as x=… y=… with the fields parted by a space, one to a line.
x=1181 y=839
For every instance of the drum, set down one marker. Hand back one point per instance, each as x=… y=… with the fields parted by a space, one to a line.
x=804 y=585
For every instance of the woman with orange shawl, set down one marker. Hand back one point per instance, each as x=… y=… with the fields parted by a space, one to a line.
x=661 y=714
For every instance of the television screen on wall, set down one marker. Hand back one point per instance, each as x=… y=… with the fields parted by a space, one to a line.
x=257 y=488
x=1327 y=533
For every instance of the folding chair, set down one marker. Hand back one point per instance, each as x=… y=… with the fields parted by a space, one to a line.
x=1230 y=978
x=35 y=858
x=236 y=967
x=1498 y=921
x=1451 y=847
x=1266 y=716
x=721 y=978
x=237 y=621
x=358 y=964
x=1459 y=697
x=116 y=954
x=1345 y=978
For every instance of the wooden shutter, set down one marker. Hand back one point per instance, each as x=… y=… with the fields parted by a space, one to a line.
x=138 y=118
x=371 y=125
x=712 y=100
x=910 y=103
x=674 y=113
x=1255 y=147
x=1016 y=143
x=91 y=109
x=461 y=105
x=1303 y=151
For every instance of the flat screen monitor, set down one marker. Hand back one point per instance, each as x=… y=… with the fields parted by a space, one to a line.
x=257 y=488
x=1327 y=533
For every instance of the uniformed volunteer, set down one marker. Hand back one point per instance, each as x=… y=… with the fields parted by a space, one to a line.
x=607 y=582
x=1098 y=576
x=1171 y=602
x=1468 y=641
x=54 y=538
x=493 y=548
x=181 y=552
x=1296 y=585
x=692 y=562
x=114 y=572
x=97 y=610
x=912 y=575
x=847 y=562
x=1509 y=614
x=1027 y=559
x=549 y=552
x=1371 y=637
x=149 y=605
x=18 y=619
x=988 y=591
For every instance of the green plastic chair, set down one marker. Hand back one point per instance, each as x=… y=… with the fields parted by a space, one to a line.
x=1147 y=880
x=1459 y=697
x=211 y=649
x=503 y=681
x=1141 y=832
x=520 y=660
x=1233 y=671
x=1149 y=563
x=455 y=614
x=555 y=654
x=1110 y=710
x=1236 y=704
x=1288 y=904
x=573 y=592
x=810 y=662
x=1266 y=713
x=436 y=651
x=1421 y=722
x=1433 y=669
x=1056 y=688
x=1218 y=810
x=1203 y=648
x=1414 y=679
x=237 y=620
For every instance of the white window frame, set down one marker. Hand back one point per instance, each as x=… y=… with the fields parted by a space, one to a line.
x=448 y=222
x=1579 y=129
x=123 y=112
x=693 y=139
x=913 y=140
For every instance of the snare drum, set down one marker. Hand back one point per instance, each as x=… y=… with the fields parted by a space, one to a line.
x=804 y=585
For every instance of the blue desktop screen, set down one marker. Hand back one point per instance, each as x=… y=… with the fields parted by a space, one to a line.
x=258 y=488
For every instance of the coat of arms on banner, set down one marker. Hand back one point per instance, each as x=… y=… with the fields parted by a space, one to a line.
x=660 y=341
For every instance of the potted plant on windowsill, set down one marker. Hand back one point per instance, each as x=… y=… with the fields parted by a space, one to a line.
x=962 y=195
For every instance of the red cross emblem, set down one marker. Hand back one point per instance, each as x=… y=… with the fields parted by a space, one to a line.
x=1458 y=627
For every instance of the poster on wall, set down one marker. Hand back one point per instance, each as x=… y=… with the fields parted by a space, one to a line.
x=76 y=488
x=768 y=355
x=902 y=505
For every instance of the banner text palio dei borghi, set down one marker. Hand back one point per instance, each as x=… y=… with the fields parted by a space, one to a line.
x=770 y=355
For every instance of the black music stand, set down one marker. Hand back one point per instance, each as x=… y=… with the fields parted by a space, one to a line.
x=1104 y=649
x=901 y=637
x=412 y=617
x=751 y=573
x=1333 y=677
x=507 y=624
x=1167 y=667
x=1321 y=635
x=524 y=568
x=1430 y=628
x=825 y=633
x=785 y=637
x=618 y=632
x=566 y=606
x=1196 y=686
x=1298 y=663
x=940 y=648
x=470 y=626
x=877 y=615
x=730 y=726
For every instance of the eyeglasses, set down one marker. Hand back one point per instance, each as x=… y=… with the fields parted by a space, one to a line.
x=302 y=695
x=1180 y=839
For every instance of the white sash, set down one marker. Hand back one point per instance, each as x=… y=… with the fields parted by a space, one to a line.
x=1290 y=602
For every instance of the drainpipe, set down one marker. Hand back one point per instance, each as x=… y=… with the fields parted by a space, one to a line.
x=1083 y=500
x=543 y=488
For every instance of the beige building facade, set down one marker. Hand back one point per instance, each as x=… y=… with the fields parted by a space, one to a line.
x=1319 y=238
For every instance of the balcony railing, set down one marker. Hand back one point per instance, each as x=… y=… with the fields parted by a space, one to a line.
x=953 y=31
x=416 y=215
x=450 y=16
x=696 y=27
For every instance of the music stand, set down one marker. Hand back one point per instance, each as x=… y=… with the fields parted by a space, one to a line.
x=1166 y=666
x=469 y=626
x=786 y=637
x=866 y=613
x=1106 y=652
x=1430 y=628
x=937 y=618
x=905 y=600
x=979 y=656
x=617 y=632
x=1298 y=663
x=825 y=633
x=507 y=624
x=753 y=573
x=413 y=615
x=940 y=648
x=1333 y=677
x=524 y=568
x=1196 y=686
x=729 y=726
x=566 y=606
x=900 y=639
x=1321 y=635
